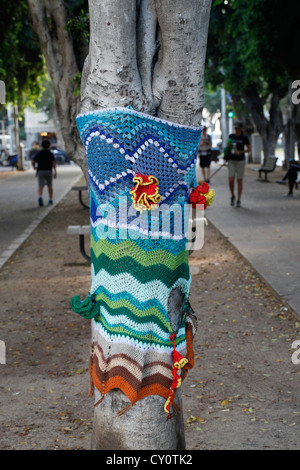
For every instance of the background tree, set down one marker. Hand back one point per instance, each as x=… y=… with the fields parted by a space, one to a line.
x=64 y=56
x=22 y=66
x=242 y=56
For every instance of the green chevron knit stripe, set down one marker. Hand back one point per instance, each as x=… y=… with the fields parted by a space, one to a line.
x=146 y=338
x=128 y=247
x=141 y=273
x=125 y=307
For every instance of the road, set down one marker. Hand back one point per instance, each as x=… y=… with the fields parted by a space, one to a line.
x=19 y=210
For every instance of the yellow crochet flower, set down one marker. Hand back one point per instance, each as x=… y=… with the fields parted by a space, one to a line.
x=210 y=197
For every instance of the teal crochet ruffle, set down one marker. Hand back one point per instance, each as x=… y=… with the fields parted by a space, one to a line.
x=87 y=309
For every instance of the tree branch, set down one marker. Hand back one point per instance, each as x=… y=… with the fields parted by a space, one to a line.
x=179 y=73
x=146 y=48
x=111 y=76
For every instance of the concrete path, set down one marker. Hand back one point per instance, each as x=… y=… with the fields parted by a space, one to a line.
x=19 y=210
x=265 y=230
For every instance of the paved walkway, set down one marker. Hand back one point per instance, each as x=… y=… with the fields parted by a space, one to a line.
x=266 y=230
x=19 y=210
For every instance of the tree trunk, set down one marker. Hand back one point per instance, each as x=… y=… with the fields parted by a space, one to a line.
x=289 y=151
x=269 y=129
x=149 y=55
x=122 y=70
x=49 y=20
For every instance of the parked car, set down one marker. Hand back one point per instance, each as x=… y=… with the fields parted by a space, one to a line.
x=60 y=156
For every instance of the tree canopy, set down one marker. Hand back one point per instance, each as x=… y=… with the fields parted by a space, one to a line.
x=22 y=66
x=249 y=53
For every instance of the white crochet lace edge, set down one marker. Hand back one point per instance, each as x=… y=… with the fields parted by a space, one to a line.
x=138 y=113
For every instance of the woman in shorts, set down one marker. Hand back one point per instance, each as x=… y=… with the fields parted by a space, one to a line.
x=204 y=153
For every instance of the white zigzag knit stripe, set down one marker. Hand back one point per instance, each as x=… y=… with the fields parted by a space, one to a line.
x=111 y=180
x=139 y=151
x=118 y=283
x=138 y=328
x=134 y=228
x=103 y=186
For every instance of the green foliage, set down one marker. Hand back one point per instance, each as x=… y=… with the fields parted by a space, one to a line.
x=79 y=26
x=77 y=80
x=212 y=99
x=243 y=46
x=22 y=66
x=45 y=102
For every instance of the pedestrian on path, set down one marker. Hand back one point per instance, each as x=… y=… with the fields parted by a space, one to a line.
x=292 y=175
x=238 y=145
x=34 y=150
x=45 y=164
x=204 y=153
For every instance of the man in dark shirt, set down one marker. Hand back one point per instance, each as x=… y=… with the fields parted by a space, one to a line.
x=236 y=161
x=44 y=162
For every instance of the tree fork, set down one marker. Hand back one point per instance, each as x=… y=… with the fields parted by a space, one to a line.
x=49 y=20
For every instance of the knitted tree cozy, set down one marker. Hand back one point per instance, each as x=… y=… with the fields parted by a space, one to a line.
x=138 y=164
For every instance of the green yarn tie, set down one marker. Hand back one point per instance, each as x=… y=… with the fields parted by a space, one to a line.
x=87 y=309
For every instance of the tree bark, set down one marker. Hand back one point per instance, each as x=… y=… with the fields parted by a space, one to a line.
x=269 y=129
x=49 y=20
x=288 y=140
x=149 y=55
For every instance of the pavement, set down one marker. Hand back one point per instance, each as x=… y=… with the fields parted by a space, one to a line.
x=265 y=230
x=19 y=210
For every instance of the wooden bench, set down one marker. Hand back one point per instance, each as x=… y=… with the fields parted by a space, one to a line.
x=81 y=231
x=268 y=167
x=80 y=189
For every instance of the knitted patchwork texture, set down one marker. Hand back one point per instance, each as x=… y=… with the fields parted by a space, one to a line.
x=137 y=164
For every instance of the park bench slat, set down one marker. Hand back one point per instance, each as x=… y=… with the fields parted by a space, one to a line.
x=268 y=167
x=78 y=230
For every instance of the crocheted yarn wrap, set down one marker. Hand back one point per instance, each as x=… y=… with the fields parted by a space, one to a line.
x=137 y=161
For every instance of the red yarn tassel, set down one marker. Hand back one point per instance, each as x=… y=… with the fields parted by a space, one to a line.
x=178 y=362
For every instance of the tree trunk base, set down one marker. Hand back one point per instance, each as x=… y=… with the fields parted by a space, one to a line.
x=142 y=427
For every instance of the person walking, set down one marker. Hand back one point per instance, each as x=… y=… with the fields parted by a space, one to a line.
x=34 y=150
x=238 y=146
x=204 y=153
x=44 y=163
x=292 y=175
